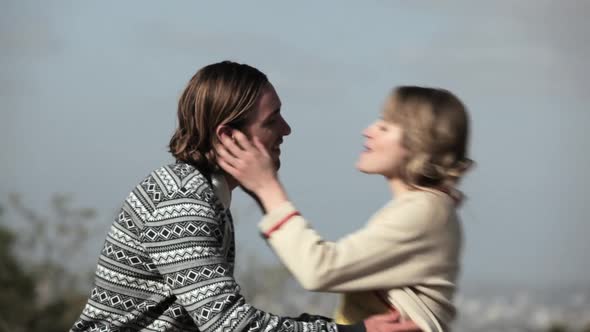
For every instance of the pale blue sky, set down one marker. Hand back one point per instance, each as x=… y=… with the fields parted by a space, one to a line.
x=88 y=97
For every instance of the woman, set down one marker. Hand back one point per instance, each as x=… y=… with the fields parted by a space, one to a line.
x=407 y=256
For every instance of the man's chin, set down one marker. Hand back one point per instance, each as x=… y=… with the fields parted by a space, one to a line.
x=277 y=162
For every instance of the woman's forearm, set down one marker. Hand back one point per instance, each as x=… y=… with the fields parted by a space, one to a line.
x=272 y=195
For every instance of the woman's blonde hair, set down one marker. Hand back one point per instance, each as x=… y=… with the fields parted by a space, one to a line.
x=435 y=128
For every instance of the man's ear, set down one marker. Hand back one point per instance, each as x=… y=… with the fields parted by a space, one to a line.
x=223 y=129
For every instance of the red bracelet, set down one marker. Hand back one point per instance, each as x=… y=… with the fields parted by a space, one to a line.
x=280 y=223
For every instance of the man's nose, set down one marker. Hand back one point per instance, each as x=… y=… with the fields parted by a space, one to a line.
x=286 y=128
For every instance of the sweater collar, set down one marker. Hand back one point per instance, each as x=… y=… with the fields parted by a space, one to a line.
x=221 y=189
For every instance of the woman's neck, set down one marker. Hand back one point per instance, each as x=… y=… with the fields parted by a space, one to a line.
x=398 y=187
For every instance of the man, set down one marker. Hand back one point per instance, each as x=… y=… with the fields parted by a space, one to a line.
x=167 y=263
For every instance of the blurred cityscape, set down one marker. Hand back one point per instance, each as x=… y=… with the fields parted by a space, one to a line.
x=42 y=290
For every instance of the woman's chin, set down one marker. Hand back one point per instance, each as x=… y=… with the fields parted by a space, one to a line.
x=362 y=168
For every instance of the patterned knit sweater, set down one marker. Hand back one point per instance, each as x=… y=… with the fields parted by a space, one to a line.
x=167 y=265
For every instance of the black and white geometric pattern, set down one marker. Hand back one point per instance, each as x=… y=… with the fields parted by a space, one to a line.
x=167 y=265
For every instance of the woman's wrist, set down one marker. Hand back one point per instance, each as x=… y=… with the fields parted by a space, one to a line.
x=272 y=195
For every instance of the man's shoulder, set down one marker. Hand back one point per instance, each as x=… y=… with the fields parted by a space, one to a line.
x=175 y=198
x=175 y=181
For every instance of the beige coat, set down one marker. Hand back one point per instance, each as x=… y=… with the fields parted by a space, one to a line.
x=406 y=256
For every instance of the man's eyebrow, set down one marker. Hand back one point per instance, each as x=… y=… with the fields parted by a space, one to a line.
x=273 y=113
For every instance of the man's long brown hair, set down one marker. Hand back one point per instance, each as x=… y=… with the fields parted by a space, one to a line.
x=223 y=93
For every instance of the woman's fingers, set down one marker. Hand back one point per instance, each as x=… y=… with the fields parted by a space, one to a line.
x=260 y=146
x=389 y=322
x=227 y=167
x=242 y=140
x=226 y=156
x=405 y=326
x=230 y=145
